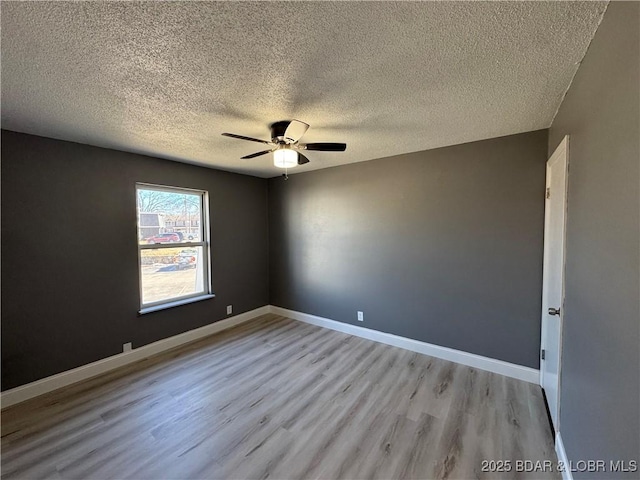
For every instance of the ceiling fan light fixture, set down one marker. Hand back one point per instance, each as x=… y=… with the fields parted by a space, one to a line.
x=285 y=158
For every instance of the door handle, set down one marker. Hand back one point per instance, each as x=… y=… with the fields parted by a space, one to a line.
x=554 y=311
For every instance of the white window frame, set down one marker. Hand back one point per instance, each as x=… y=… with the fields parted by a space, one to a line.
x=204 y=242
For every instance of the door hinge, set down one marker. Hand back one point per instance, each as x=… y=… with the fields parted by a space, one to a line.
x=548 y=193
x=542 y=352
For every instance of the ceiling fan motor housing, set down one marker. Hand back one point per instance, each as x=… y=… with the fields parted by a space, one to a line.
x=278 y=130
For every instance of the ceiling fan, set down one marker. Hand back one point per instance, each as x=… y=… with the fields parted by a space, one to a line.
x=285 y=136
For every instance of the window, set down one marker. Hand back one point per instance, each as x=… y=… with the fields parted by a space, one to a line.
x=173 y=246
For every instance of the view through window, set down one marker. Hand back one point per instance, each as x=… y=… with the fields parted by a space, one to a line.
x=172 y=243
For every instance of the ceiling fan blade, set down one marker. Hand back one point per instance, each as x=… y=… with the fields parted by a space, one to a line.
x=257 y=154
x=241 y=137
x=295 y=130
x=325 y=147
x=302 y=159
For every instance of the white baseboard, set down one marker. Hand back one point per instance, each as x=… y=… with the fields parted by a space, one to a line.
x=512 y=370
x=562 y=458
x=54 y=382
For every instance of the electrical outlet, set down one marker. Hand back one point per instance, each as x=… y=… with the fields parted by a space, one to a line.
x=126 y=347
x=229 y=309
x=360 y=317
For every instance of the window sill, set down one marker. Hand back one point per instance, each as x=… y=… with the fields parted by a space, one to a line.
x=177 y=303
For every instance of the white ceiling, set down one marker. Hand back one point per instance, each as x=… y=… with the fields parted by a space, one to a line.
x=167 y=78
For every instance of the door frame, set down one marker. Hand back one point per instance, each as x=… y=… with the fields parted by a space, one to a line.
x=563 y=147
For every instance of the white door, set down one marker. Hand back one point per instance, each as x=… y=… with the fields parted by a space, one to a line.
x=553 y=277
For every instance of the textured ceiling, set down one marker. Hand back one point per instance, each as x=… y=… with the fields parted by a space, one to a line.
x=166 y=78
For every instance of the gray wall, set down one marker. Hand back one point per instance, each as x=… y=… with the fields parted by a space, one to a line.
x=443 y=246
x=69 y=257
x=600 y=394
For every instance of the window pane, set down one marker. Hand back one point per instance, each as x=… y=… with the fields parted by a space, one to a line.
x=169 y=273
x=168 y=217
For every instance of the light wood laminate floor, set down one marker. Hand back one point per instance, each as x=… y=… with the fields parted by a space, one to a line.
x=275 y=398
